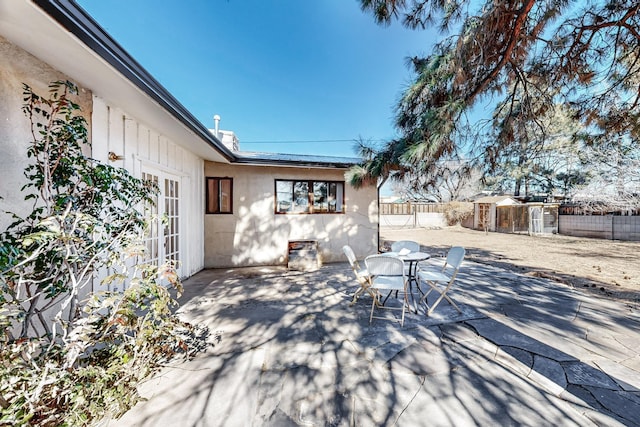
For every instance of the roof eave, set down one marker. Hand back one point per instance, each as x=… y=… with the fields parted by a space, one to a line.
x=82 y=26
x=293 y=163
x=75 y=20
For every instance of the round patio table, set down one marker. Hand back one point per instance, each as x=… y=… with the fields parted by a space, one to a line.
x=411 y=258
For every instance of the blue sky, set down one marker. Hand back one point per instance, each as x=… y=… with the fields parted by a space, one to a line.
x=277 y=70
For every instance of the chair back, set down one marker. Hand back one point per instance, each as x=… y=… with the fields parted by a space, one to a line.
x=351 y=256
x=454 y=258
x=387 y=272
x=384 y=265
x=405 y=244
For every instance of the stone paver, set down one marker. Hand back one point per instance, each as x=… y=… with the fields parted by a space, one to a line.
x=524 y=351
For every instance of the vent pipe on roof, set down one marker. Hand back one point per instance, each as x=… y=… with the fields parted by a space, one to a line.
x=216 y=124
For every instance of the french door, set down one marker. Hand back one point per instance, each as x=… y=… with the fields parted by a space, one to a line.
x=163 y=238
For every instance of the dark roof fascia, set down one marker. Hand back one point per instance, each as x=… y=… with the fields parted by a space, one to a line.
x=79 y=23
x=292 y=163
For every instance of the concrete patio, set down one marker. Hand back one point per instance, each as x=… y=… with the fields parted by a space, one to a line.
x=525 y=351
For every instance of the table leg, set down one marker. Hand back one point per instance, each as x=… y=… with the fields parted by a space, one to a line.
x=412 y=277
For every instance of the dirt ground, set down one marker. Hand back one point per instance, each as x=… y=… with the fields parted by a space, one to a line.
x=607 y=267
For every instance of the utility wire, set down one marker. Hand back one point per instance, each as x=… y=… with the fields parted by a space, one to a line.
x=307 y=141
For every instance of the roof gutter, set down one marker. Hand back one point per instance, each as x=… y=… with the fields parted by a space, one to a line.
x=79 y=23
x=292 y=163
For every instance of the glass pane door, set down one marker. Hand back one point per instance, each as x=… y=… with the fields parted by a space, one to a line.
x=172 y=218
x=163 y=238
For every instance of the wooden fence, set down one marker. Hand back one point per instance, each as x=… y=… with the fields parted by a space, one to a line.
x=410 y=208
x=543 y=219
x=579 y=209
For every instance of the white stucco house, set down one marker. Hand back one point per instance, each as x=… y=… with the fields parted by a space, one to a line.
x=227 y=208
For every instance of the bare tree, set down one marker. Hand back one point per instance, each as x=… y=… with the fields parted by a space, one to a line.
x=615 y=185
x=450 y=180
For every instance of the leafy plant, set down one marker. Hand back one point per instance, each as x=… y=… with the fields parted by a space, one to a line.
x=71 y=355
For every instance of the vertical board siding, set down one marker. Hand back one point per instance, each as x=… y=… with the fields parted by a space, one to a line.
x=116 y=135
x=154 y=147
x=162 y=151
x=114 y=130
x=179 y=152
x=143 y=141
x=100 y=131
x=132 y=143
x=171 y=156
x=193 y=220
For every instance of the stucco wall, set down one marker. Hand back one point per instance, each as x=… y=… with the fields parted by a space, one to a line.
x=17 y=67
x=255 y=235
x=415 y=220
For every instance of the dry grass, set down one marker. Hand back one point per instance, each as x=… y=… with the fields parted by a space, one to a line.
x=610 y=268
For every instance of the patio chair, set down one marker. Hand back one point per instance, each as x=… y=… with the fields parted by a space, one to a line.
x=442 y=280
x=362 y=275
x=387 y=273
x=405 y=244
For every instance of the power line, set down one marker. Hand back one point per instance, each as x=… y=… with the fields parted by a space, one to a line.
x=307 y=141
x=297 y=142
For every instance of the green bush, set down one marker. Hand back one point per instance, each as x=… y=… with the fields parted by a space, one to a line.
x=71 y=356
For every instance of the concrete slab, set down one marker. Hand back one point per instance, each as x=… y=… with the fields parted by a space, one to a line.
x=627 y=379
x=524 y=351
x=549 y=374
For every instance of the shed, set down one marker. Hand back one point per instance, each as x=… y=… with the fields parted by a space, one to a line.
x=543 y=218
x=485 y=213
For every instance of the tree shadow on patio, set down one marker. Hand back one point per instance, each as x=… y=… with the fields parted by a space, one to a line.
x=294 y=353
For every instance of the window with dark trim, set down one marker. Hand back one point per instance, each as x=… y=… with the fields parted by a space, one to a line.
x=309 y=196
x=219 y=196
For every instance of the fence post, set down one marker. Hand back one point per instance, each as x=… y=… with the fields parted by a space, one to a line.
x=415 y=216
x=613 y=229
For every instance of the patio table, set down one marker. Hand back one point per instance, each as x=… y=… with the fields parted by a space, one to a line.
x=411 y=258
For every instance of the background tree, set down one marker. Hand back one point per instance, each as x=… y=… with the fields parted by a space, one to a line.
x=525 y=56
x=535 y=157
x=449 y=180
x=615 y=171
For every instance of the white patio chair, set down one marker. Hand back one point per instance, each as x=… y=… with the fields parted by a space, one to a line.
x=405 y=244
x=409 y=245
x=387 y=273
x=442 y=280
x=362 y=275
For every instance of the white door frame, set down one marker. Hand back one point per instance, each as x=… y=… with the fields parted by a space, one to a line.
x=171 y=204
